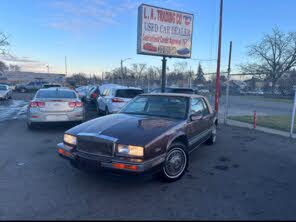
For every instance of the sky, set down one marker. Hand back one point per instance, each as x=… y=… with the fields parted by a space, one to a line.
x=95 y=35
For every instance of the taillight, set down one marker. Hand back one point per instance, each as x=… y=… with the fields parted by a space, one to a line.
x=37 y=104
x=94 y=95
x=75 y=104
x=117 y=100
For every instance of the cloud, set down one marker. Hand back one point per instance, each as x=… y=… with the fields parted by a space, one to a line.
x=87 y=14
x=26 y=63
x=11 y=58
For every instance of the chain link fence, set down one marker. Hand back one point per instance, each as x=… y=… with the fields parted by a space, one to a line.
x=259 y=102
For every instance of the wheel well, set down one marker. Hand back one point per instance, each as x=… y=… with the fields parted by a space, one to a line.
x=182 y=139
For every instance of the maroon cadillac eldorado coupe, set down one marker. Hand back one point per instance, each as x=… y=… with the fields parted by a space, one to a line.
x=152 y=132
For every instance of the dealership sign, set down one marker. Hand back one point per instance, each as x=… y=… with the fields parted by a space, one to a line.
x=164 y=32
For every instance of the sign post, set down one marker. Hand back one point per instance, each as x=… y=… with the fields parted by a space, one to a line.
x=164 y=32
x=163 y=74
x=293 y=114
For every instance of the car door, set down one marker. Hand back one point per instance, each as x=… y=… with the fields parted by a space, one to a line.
x=103 y=100
x=197 y=129
x=207 y=115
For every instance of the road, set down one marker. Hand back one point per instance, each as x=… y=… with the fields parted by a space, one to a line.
x=246 y=175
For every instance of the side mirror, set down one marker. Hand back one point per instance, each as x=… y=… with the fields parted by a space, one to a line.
x=195 y=117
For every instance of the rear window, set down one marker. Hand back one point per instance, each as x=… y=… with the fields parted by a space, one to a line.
x=187 y=91
x=59 y=94
x=48 y=86
x=128 y=93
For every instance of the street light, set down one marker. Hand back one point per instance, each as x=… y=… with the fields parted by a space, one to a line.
x=121 y=67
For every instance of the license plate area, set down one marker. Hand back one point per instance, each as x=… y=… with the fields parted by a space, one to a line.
x=56 y=118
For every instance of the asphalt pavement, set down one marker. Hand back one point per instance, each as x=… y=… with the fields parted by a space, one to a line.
x=246 y=175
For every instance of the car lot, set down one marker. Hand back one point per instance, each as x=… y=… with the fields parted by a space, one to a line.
x=243 y=176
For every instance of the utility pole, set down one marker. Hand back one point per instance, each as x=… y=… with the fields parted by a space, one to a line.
x=66 y=68
x=47 y=68
x=217 y=94
x=121 y=69
x=228 y=79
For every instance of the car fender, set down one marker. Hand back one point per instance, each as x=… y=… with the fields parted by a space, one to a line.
x=178 y=135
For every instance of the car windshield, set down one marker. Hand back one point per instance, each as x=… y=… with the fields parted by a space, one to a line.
x=59 y=94
x=128 y=93
x=3 y=87
x=164 y=106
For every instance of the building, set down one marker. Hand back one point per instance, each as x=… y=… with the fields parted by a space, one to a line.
x=25 y=77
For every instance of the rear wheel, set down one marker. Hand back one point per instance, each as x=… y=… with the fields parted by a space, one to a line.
x=175 y=163
x=31 y=126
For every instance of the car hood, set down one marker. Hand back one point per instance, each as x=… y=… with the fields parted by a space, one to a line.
x=127 y=129
x=3 y=92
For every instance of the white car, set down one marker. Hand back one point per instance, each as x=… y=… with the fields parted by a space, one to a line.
x=5 y=92
x=115 y=98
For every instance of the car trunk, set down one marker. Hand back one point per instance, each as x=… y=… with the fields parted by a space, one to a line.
x=61 y=105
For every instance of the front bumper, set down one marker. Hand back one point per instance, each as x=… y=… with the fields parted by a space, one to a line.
x=110 y=162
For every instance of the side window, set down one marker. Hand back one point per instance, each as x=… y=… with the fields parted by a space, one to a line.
x=105 y=92
x=206 y=108
x=197 y=106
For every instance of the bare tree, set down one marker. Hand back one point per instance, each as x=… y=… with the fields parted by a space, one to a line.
x=14 y=67
x=273 y=56
x=137 y=70
x=180 y=67
x=3 y=67
x=3 y=43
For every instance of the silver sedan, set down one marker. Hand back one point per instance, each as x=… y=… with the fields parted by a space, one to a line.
x=55 y=105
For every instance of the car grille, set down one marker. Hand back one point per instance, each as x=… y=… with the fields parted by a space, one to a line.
x=95 y=146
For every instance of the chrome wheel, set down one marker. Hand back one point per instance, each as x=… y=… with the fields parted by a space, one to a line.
x=175 y=163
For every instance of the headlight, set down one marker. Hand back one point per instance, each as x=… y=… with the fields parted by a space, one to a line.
x=72 y=140
x=128 y=150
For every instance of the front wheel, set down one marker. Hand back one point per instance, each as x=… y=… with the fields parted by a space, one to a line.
x=175 y=163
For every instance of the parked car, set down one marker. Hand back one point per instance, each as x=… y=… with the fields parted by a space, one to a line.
x=50 y=85
x=55 y=105
x=5 y=92
x=31 y=86
x=113 y=99
x=152 y=133
x=92 y=94
x=82 y=92
x=257 y=92
x=174 y=90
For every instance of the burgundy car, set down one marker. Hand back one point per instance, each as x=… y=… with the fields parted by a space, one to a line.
x=153 y=132
x=150 y=47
